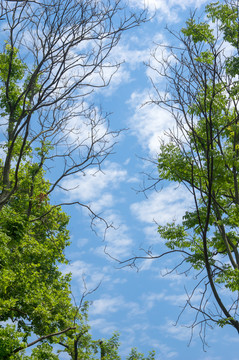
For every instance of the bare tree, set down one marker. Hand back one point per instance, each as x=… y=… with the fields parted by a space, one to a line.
x=201 y=154
x=56 y=54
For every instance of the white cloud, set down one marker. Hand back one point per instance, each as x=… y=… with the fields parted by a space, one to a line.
x=117 y=241
x=107 y=305
x=149 y=123
x=115 y=304
x=86 y=274
x=160 y=56
x=126 y=56
x=85 y=127
x=181 y=333
x=164 y=206
x=106 y=200
x=130 y=54
x=103 y=326
x=96 y=186
x=145 y=265
x=82 y=242
x=138 y=333
x=166 y=351
x=151 y=232
x=152 y=298
x=167 y=8
x=119 y=281
x=181 y=300
x=122 y=75
x=171 y=276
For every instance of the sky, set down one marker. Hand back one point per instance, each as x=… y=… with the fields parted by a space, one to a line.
x=142 y=304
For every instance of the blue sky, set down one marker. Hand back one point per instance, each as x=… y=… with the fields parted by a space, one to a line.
x=143 y=306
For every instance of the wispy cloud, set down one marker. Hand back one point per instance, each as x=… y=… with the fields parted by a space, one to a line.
x=87 y=276
x=149 y=123
x=152 y=298
x=104 y=326
x=107 y=304
x=117 y=240
x=165 y=206
x=168 y=9
x=96 y=186
x=178 y=332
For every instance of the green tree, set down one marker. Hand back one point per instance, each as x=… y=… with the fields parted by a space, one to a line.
x=201 y=154
x=54 y=55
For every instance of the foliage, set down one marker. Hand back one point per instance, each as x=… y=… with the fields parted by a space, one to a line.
x=42 y=352
x=8 y=101
x=135 y=355
x=10 y=339
x=34 y=294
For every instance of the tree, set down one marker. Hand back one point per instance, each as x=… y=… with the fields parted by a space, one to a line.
x=202 y=154
x=54 y=55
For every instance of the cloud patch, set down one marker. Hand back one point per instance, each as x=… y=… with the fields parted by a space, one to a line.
x=149 y=123
x=95 y=187
x=168 y=9
x=165 y=206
